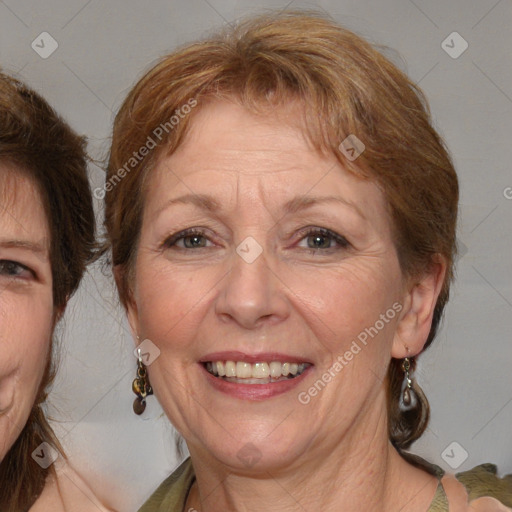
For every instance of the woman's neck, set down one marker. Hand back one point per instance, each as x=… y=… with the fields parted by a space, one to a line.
x=361 y=472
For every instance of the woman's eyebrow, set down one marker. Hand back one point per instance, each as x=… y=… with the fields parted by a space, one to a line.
x=304 y=202
x=34 y=247
x=203 y=201
x=209 y=203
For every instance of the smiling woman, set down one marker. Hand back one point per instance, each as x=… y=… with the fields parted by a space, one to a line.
x=45 y=246
x=293 y=236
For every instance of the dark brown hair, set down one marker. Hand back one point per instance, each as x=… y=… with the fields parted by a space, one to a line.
x=347 y=87
x=36 y=142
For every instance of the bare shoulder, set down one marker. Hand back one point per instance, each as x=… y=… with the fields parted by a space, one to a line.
x=483 y=482
x=478 y=490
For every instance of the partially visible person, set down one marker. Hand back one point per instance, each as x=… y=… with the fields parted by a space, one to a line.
x=287 y=242
x=47 y=237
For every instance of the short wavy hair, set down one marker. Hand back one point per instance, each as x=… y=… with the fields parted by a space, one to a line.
x=347 y=86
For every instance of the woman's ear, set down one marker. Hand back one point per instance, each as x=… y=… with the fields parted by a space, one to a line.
x=127 y=298
x=419 y=302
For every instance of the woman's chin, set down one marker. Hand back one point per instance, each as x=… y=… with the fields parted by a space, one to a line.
x=254 y=454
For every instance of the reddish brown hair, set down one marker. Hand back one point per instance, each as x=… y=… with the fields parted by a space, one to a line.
x=36 y=142
x=346 y=86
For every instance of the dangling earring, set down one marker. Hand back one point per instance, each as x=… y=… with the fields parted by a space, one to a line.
x=408 y=399
x=141 y=386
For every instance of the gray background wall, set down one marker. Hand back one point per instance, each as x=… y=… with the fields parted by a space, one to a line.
x=103 y=47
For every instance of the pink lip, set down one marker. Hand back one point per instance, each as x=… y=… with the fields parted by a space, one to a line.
x=255 y=392
x=261 y=357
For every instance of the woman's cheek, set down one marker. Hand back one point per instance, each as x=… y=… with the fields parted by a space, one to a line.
x=167 y=294
x=35 y=336
x=25 y=330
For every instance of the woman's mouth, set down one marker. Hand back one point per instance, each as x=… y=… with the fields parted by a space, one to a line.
x=242 y=372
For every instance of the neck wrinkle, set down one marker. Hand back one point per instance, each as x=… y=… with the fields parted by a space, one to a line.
x=365 y=480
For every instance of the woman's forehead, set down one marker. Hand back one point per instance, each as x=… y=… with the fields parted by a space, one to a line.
x=226 y=125
x=230 y=152
x=22 y=214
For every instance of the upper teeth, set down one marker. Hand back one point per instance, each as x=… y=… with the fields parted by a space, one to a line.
x=244 y=370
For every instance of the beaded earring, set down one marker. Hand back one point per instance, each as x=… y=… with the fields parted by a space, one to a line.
x=408 y=398
x=141 y=386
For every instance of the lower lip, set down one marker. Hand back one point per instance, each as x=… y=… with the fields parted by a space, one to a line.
x=254 y=391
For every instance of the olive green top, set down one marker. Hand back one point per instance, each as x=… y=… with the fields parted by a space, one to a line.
x=480 y=481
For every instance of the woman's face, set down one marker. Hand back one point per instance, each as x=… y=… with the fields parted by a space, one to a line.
x=290 y=260
x=26 y=302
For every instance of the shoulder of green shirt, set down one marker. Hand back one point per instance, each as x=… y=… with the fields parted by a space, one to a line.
x=171 y=494
x=481 y=481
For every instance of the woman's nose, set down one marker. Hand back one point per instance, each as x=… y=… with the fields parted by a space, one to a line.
x=252 y=292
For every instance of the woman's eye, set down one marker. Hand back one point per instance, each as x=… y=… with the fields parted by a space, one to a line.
x=319 y=239
x=188 y=239
x=13 y=269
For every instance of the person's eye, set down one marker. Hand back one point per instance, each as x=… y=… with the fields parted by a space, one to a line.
x=323 y=240
x=13 y=269
x=192 y=238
